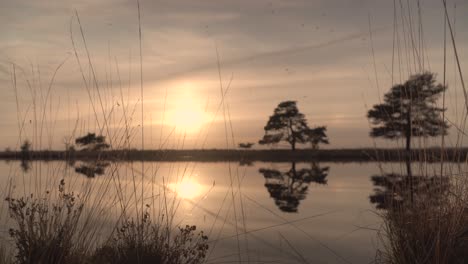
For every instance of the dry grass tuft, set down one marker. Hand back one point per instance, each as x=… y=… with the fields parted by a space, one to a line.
x=427 y=232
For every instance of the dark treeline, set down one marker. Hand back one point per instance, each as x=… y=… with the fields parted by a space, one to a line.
x=219 y=155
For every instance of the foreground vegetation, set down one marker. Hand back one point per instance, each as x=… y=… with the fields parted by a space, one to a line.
x=433 y=228
x=52 y=231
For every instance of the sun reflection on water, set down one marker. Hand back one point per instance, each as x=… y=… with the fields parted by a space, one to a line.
x=188 y=188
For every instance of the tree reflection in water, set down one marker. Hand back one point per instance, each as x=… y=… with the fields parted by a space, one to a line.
x=289 y=188
x=25 y=165
x=91 y=169
x=394 y=190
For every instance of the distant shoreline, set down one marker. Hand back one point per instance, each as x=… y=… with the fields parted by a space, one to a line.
x=220 y=155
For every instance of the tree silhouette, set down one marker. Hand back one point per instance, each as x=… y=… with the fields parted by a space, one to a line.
x=289 y=188
x=316 y=136
x=92 y=142
x=25 y=149
x=286 y=124
x=409 y=110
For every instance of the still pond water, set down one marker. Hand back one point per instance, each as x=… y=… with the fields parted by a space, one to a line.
x=257 y=213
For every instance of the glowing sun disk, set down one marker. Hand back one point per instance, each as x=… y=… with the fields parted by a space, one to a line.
x=187 y=114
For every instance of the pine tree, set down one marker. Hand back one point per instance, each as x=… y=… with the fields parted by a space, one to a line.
x=409 y=110
x=286 y=124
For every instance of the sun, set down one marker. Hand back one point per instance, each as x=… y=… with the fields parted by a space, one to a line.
x=187 y=114
x=188 y=188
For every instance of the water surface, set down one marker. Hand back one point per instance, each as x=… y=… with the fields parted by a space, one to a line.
x=261 y=212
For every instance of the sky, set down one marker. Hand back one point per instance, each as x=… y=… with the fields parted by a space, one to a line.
x=72 y=67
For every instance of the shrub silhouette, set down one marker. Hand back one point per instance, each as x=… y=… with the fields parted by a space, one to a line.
x=44 y=230
x=146 y=242
x=316 y=136
x=92 y=142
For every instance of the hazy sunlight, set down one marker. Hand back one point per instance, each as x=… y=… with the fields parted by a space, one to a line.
x=187 y=114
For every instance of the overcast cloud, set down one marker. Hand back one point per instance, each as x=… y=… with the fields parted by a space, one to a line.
x=316 y=52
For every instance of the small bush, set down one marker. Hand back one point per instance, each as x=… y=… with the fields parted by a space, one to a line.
x=44 y=231
x=47 y=232
x=147 y=242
